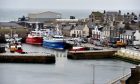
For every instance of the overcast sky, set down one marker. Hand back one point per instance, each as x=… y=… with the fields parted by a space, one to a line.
x=71 y=4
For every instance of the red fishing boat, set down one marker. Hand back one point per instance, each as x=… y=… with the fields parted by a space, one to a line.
x=35 y=37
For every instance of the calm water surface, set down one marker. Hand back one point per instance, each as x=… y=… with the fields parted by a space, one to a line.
x=64 y=71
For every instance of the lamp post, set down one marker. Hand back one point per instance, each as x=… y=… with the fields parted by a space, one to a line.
x=93 y=74
x=110 y=34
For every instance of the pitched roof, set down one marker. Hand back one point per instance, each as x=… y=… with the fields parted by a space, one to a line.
x=47 y=14
x=50 y=12
x=91 y=25
x=67 y=28
x=129 y=32
x=79 y=27
x=111 y=13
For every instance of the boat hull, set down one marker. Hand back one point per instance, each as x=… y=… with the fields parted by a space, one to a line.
x=54 y=44
x=34 y=40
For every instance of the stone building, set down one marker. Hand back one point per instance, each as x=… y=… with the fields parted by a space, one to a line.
x=12 y=28
x=112 y=16
x=96 y=17
x=66 y=30
x=77 y=31
x=80 y=31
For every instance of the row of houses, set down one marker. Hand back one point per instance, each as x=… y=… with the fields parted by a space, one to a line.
x=98 y=26
x=100 y=32
x=75 y=30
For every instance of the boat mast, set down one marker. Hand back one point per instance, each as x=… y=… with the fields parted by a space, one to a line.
x=58 y=32
x=37 y=26
x=11 y=33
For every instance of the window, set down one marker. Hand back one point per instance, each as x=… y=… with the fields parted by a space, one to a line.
x=84 y=32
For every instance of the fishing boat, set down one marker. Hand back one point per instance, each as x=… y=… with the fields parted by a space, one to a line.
x=12 y=39
x=78 y=48
x=35 y=37
x=55 y=42
x=77 y=45
x=13 y=43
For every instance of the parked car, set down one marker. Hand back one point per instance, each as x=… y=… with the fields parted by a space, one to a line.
x=84 y=40
x=97 y=43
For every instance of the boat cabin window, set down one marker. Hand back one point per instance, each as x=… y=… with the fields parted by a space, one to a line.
x=35 y=33
x=57 y=36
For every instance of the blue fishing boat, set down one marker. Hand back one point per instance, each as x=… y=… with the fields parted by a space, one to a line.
x=54 y=42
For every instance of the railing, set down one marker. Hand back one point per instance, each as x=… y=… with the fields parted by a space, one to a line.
x=119 y=80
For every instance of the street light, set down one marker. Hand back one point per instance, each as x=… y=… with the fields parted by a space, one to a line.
x=93 y=74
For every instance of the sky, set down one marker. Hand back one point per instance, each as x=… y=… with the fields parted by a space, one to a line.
x=71 y=4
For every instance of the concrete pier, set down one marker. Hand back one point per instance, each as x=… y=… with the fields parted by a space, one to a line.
x=128 y=55
x=31 y=57
x=94 y=54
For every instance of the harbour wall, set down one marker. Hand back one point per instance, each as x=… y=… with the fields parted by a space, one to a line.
x=128 y=55
x=91 y=54
x=27 y=58
x=121 y=54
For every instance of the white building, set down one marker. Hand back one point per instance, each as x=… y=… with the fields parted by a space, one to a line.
x=80 y=31
x=96 y=34
x=106 y=32
x=86 y=31
x=67 y=20
x=137 y=37
x=77 y=31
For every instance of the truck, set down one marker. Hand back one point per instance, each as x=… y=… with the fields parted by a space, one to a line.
x=117 y=42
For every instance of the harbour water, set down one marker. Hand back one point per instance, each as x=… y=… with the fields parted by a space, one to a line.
x=64 y=71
